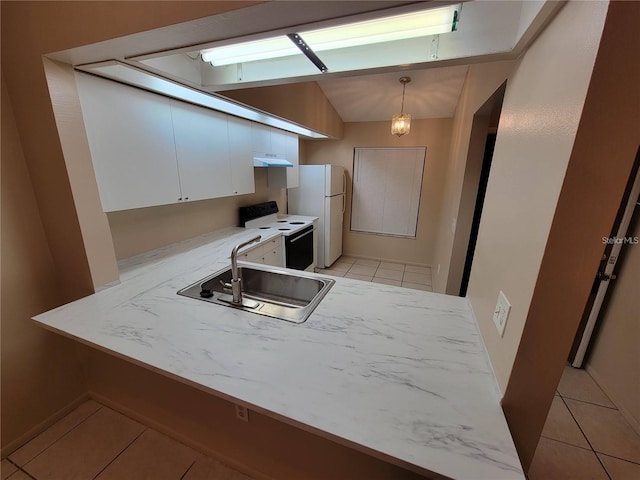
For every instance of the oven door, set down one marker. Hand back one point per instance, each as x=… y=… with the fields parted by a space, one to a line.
x=299 y=249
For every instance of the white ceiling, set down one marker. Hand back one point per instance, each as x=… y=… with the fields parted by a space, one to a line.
x=432 y=93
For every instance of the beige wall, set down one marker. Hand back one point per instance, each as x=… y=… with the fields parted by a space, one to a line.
x=304 y=103
x=42 y=373
x=263 y=447
x=481 y=82
x=470 y=186
x=537 y=129
x=614 y=359
x=435 y=134
x=599 y=164
x=144 y=229
x=93 y=224
x=44 y=249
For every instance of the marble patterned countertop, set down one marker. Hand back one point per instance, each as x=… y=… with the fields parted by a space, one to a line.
x=397 y=373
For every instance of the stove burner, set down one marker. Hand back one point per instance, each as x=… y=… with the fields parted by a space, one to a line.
x=296 y=223
x=284 y=229
x=263 y=228
x=281 y=221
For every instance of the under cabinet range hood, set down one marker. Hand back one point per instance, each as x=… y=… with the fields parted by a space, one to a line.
x=266 y=161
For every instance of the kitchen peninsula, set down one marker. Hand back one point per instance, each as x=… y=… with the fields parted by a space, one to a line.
x=396 y=373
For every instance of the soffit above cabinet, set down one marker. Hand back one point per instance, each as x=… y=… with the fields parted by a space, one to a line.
x=484 y=30
x=487 y=30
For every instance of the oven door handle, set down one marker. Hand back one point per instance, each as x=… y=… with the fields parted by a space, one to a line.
x=299 y=237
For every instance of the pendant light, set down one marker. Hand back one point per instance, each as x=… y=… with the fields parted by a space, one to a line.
x=401 y=122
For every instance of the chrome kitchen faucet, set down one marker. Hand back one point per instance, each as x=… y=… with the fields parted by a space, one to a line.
x=236 y=281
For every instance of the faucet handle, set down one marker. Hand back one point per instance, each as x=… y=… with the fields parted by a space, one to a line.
x=226 y=286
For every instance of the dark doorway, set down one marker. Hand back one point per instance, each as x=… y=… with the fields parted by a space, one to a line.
x=477 y=213
x=482 y=139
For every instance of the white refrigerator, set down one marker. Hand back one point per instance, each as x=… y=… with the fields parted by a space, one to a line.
x=322 y=194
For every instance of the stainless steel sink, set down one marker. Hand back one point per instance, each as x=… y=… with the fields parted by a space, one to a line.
x=274 y=292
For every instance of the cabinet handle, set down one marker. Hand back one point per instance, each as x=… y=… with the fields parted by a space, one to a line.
x=186 y=198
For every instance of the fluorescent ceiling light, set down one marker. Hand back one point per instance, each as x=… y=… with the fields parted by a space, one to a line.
x=398 y=27
x=421 y=23
x=274 y=47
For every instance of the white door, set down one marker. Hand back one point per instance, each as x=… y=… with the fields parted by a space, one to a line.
x=605 y=274
x=334 y=210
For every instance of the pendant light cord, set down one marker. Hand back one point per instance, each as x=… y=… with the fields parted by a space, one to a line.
x=404 y=81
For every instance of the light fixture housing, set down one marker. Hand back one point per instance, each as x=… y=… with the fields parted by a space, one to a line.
x=421 y=23
x=401 y=122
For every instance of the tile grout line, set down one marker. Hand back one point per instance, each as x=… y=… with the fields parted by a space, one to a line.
x=60 y=438
x=187 y=471
x=617 y=458
x=588 y=403
x=120 y=453
x=569 y=444
x=586 y=438
x=19 y=469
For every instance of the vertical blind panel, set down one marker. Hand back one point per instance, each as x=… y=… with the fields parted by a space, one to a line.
x=386 y=190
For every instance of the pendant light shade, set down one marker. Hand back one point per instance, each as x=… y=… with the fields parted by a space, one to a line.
x=401 y=122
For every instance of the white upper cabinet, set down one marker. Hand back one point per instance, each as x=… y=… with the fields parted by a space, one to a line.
x=241 y=156
x=130 y=136
x=202 y=148
x=278 y=142
x=260 y=138
x=268 y=141
x=151 y=150
x=292 y=154
x=286 y=177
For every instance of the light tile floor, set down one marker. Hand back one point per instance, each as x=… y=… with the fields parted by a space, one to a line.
x=388 y=273
x=585 y=436
x=95 y=442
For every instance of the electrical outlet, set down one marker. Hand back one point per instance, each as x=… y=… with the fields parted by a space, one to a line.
x=242 y=413
x=501 y=312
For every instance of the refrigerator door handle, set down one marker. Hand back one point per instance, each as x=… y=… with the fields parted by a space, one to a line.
x=344 y=183
x=344 y=202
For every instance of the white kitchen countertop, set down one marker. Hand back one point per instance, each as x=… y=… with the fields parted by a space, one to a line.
x=397 y=373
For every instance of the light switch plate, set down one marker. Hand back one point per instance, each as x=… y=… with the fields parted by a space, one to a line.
x=501 y=312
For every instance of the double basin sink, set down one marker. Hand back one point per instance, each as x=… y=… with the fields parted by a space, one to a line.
x=275 y=292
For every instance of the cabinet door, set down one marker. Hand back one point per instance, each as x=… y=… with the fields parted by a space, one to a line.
x=253 y=254
x=131 y=141
x=278 y=142
x=272 y=252
x=202 y=148
x=241 y=156
x=292 y=154
x=260 y=138
x=286 y=177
